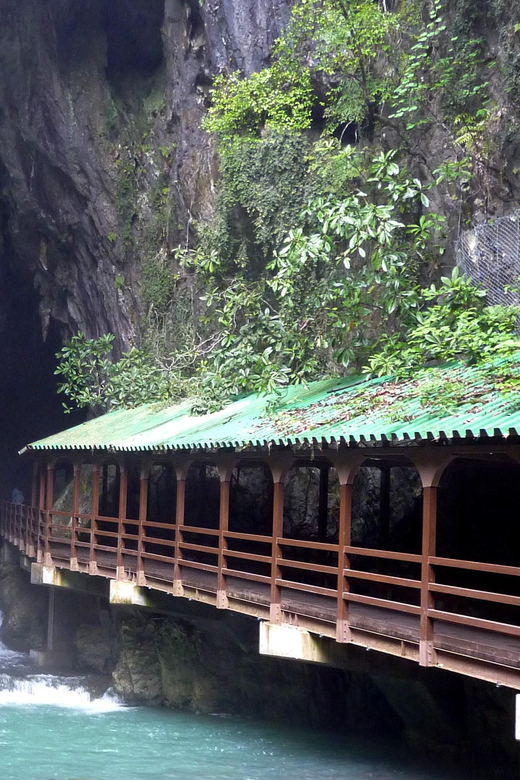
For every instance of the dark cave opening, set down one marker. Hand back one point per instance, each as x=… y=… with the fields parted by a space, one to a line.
x=134 y=42
x=30 y=407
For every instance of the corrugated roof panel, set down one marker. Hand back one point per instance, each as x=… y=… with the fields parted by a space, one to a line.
x=354 y=409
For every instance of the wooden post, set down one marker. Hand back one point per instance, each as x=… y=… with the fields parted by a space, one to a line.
x=47 y=558
x=275 y=615
x=123 y=498
x=426 y=651
x=222 y=599
x=74 y=517
x=32 y=514
x=92 y=565
x=178 y=590
x=323 y=510
x=384 y=506
x=343 y=633
x=40 y=550
x=34 y=483
x=143 y=510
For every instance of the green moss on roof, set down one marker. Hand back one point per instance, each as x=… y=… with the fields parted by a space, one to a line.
x=351 y=410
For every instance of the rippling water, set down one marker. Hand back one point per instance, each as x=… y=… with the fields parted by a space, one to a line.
x=52 y=727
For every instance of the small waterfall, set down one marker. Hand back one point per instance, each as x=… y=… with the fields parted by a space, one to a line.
x=18 y=686
x=49 y=690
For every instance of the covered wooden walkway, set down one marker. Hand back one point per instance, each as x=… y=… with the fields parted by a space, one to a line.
x=170 y=523
x=316 y=510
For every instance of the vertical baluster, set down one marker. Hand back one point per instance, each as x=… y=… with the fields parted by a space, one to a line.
x=343 y=633
x=426 y=650
x=48 y=514
x=92 y=564
x=40 y=550
x=222 y=599
x=123 y=498
x=275 y=615
x=74 y=517
x=143 y=508
x=178 y=590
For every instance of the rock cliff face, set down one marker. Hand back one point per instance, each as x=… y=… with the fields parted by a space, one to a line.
x=103 y=168
x=100 y=104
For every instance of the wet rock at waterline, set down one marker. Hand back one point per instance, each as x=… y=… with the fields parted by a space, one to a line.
x=24 y=625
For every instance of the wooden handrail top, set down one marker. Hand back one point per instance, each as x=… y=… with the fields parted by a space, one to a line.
x=385 y=579
x=156 y=540
x=196 y=565
x=397 y=606
x=198 y=548
x=156 y=557
x=245 y=556
x=103 y=519
x=467 y=620
x=157 y=524
x=304 y=544
x=386 y=554
x=491 y=568
x=248 y=537
x=319 y=591
x=479 y=595
x=323 y=569
x=196 y=530
x=247 y=575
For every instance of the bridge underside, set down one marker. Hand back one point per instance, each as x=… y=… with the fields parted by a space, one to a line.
x=411 y=552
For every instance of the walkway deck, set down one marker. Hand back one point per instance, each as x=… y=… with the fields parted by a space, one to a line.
x=291 y=588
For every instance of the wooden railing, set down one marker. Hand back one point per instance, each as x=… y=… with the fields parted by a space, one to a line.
x=309 y=576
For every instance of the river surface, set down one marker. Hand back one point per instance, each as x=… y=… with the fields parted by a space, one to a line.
x=53 y=727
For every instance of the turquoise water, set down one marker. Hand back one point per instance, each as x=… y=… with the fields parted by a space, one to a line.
x=43 y=742
x=50 y=727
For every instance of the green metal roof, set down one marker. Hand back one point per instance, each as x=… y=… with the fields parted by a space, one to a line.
x=348 y=410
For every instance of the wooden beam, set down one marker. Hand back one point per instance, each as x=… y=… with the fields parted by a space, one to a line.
x=323 y=507
x=180 y=503
x=384 y=505
x=426 y=651
x=343 y=633
x=222 y=599
x=143 y=509
x=92 y=564
x=74 y=516
x=123 y=500
x=275 y=612
x=47 y=558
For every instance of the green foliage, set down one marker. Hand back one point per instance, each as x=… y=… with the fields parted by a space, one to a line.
x=91 y=379
x=159 y=282
x=347 y=270
x=278 y=99
x=266 y=179
x=441 y=78
x=450 y=321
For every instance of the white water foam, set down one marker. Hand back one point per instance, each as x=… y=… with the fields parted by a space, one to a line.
x=47 y=690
